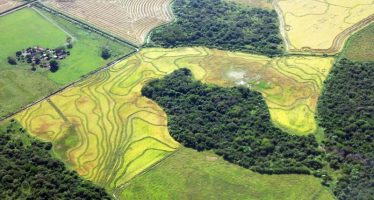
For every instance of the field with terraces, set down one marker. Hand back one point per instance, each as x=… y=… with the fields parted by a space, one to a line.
x=8 y=4
x=109 y=133
x=130 y=20
x=328 y=23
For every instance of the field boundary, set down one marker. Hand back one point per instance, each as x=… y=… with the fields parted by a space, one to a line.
x=105 y=67
x=16 y=8
x=84 y=24
x=148 y=37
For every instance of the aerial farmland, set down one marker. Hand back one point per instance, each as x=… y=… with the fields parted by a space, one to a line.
x=186 y=99
x=127 y=19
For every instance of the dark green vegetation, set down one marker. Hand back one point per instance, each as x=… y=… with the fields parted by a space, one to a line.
x=234 y=122
x=29 y=28
x=360 y=46
x=222 y=25
x=188 y=174
x=28 y=171
x=346 y=111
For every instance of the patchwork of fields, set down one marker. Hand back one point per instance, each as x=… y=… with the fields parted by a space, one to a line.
x=322 y=26
x=105 y=130
x=18 y=84
x=131 y=20
x=290 y=85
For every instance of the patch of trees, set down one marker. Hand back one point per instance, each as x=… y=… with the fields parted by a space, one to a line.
x=223 y=25
x=28 y=171
x=105 y=53
x=346 y=111
x=233 y=122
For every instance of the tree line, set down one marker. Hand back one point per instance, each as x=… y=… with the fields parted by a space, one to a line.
x=346 y=111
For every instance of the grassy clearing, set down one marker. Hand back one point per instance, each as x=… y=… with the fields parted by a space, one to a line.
x=27 y=28
x=323 y=21
x=255 y=3
x=189 y=174
x=360 y=47
x=85 y=55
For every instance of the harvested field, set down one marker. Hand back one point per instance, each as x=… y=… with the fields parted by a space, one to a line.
x=322 y=26
x=130 y=20
x=8 y=4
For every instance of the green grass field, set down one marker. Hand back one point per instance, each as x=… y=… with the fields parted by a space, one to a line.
x=189 y=174
x=360 y=46
x=27 y=28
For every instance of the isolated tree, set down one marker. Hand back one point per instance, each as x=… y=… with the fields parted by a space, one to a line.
x=105 y=53
x=54 y=66
x=12 y=60
x=69 y=42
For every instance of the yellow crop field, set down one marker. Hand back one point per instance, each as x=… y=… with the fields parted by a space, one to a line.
x=105 y=130
x=291 y=85
x=322 y=26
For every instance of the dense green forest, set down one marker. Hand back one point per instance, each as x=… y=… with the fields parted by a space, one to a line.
x=223 y=25
x=234 y=122
x=28 y=171
x=346 y=111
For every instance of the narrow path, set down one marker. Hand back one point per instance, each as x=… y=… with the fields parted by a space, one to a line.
x=282 y=24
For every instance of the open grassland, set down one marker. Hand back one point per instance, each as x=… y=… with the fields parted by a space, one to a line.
x=105 y=130
x=131 y=20
x=28 y=28
x=8 y=4
x=322 y=26
x=189 y=174
x=360 y=46
x=85 y=54
x=255 y=3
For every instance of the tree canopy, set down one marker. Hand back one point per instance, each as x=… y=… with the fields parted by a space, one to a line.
x=28 y=171
x=223 y=25
x=233 y=122
x=346 y=111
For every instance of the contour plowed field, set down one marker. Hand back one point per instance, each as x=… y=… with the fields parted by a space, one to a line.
x=103 y=128
x=322 y=26
x=131 y=20
x=109 y=133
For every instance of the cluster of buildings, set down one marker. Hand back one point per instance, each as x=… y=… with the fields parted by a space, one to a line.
x=42 y=57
